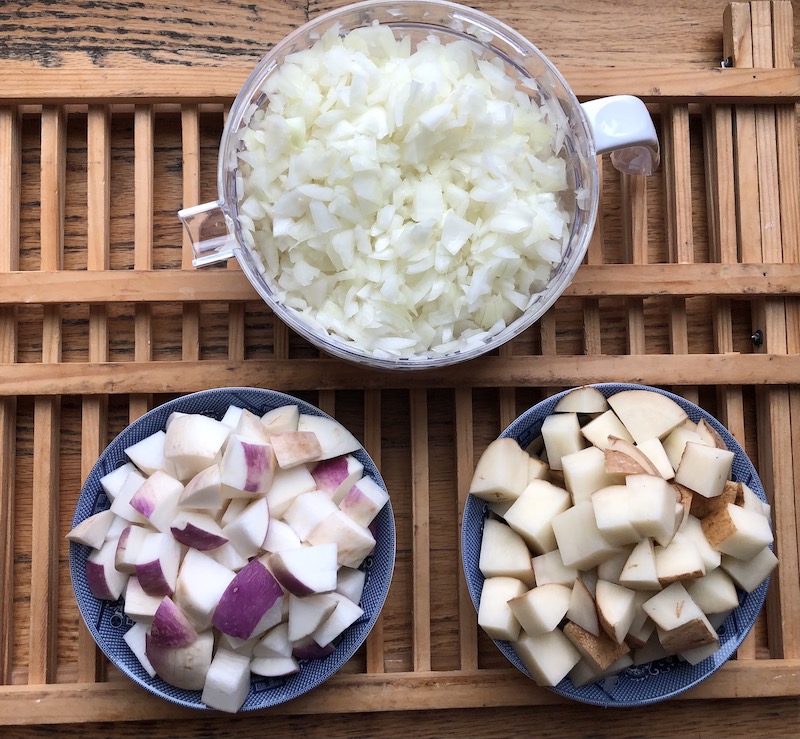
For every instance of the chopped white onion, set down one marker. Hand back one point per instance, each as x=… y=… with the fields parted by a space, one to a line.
x=408 y=201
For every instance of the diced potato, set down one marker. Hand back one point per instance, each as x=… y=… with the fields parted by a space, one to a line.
x=646 y=414
x=702 y=506
x=704 y=469
x=585 y=674
x=607 y=424
x=537 y=469
x=639 y=571
x=562 y=435
x=616 y=609
x=653 y=449
x=578 y=538
x=749 y=574
x=599 y=651
x=737 y=532
x=532 y=514
x=676 y=442
x=693 y=529
x=680 y=623
x=679 y=560
x=585 y=473
x=582 y=610
x=549 y=567
x=642 y=626
x=548 y=657
x=495 y=616
x=610 y=569
x=586 y=400
x=612 y=507
x=542 y=608
x=709 y=434
x=625 y=458
x=504 y=553
x=501 y=472
x=714 y=592
x=652 y=507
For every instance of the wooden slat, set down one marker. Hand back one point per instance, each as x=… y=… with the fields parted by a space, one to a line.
x=635 y=242
x=94 y=408
x=10 y=156
x=465 y=466
x=190 y=131
x=44 y=552
x=25 y=83
x=592 y=342
x=421 y=539
x=591 y=281
x=343 y=693
x=143 y=136
x=76 y=378
x=375 y=646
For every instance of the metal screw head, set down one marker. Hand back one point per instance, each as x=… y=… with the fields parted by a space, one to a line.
x=757 y=337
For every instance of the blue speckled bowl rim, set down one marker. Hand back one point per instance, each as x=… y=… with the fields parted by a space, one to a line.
x=107 y=622
x=659 y=680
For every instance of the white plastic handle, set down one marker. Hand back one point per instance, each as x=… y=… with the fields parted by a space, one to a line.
x=622 y=125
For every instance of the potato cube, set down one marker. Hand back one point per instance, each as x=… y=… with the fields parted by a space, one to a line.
x=704 y=469
x=675 y=444
x=606 y=424
x=495 y=616
x=653 y=449
x=714 y=592
x=612 y=508
x=582 y=609
x=616 y=609
x=749 y=574
x=532 y=514
x=735 y=531
x=578 y=538
x=639 y=571
x=542 y=608
x=599 y=651
x=652 y=507
x=504 y=552
x=562 y=435
x=548 y=657
x=501 y=472
x=549 y=567
x=679 y=560
x=585 y=472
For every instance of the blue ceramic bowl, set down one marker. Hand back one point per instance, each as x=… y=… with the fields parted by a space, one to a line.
x=657 y=680
x=107 y=621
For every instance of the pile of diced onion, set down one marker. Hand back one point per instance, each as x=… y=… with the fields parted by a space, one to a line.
x=408 y=201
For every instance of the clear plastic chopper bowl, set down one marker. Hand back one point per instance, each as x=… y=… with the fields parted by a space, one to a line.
x=620 y=125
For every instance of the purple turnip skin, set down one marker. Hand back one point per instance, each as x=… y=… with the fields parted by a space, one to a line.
x=151 y=578
x=197 y=538
x=170 y=627
x=307 y=648
x=332 y=475
x=97 y=582
x=183 y=667
x=257 y=463
x=248 y=597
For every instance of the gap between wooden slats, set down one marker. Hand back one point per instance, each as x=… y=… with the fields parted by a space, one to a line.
x=465 y=466
x=10 y=155
x=143 y=152
x=372 y=443
x=420 y=547
x=190 y=131
x=46 y=453
x=592 y=342
x=95 y=408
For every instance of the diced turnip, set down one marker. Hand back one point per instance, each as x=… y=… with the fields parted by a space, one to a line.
x=350 y=583
x=495 y=616
x=542 y=608
x=501 y=473
x=121 y=505
x=280 y=536
x=624 y=458
x=200 y=585
x=308 y=612
x=714 y=592
x=549 y=567
x=307 y=648
x=231 y=416
x=140 y=606
x=578 y=538
x=203 y=491
x=337 y=475
x=704 y=469
x=247 y=468
x=170 y=627
x=504 y=553
x=157 y=563
x=92 y=531
x=646 y=414
x=118 y=525
x=611 y=568
x=194 y=442
x=129 y=547
x=275 y=643
x=582 y=609
x=136 y=639
x=227 y=681
x=233 y=508
x=585 y=400
x=295 y=447
x=249 y=529
x=639 y=570
x=585 y=473
x=679 y=560
x=157 y=499
x=307 y=511
x=251 y=594
x=183 y=667
x=112 y=482
x=274 y=666
x=306 y=570
x=606 y=424
x=148 y=454
x=749 y=574
x=548 y=657
x=652 y=507
x=616 y=609
x=197 y=530
x=364 y=501
x=653 y=449
x=599 y=650
x=675 y=444
x=240 y=646
x=228 y=556
x=562 y=435
x=286 y=486
x=735 y=531
x=532 y=514
x=613 y=507
x=281 y=419
x=334 y=439
x=249 y=427
x=103 y=579
x=172 y=416
x=353 y=542
x=344 y=615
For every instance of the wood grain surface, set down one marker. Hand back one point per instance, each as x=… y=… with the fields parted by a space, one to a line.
x=110 y=118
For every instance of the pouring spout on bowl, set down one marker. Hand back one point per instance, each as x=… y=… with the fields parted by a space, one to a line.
x=209 y=233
